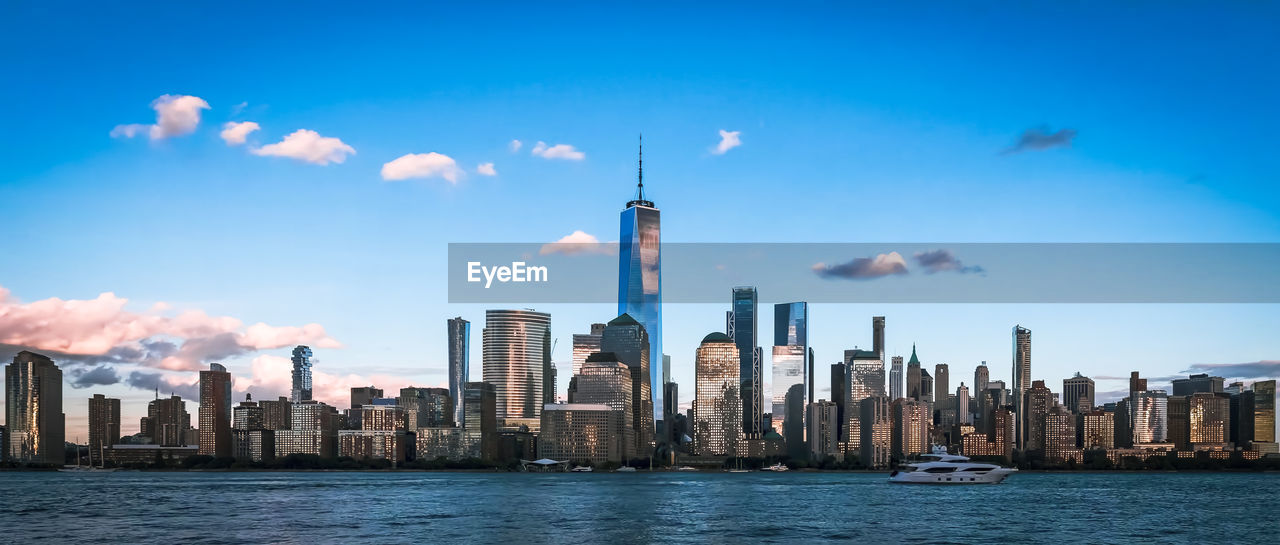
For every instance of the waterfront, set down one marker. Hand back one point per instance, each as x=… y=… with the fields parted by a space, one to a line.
x=328 y=507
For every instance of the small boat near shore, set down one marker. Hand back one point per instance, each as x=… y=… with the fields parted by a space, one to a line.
x=776 y=467
x=582 y=469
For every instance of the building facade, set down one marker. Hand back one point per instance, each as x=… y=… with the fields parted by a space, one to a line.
x=603 y=380
x=1078 y=393
x=627 y=340
x=33 y=410
x=717 y=405
x=517 y=356
x=823 y=429
x=215 y=411
x=743 y=327
x=301 y=378
x=104 y=426
x=459 y=342
x=790 y=361
x=876 y=429
x=580 y=432
x=640 y=277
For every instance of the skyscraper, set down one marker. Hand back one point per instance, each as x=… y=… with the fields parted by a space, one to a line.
x=1077 y=393
x=790 y=365
x=1037 y=403
x=517 y=349
x=895 y=378
x=962 y=405
x=941 y=383
x=586 y=344
x=865 y=379
x=1150 y=409
x=1264 y=413
x=628 y=341
x=981 y=376
x=169 y=423
x=104 y=425
x=364 y=395
x=910 y=428
x=1197 y=383
x=839 y=381
x=1021 y=363
x=606 y=381
x=215 y=411
x=913 y=377
x=459 y=341
x=876 y=429
x=33 y=409
x=926 y=386
x=744 y=329
x=640 y=276
x=877 y=336
x=301 y=374
x=822 y=429
x=717 y=405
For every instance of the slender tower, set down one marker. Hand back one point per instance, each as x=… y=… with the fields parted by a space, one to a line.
x=640 y=275
x=301 y=374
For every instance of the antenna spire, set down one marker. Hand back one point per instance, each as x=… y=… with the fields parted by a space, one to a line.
x=640 y=172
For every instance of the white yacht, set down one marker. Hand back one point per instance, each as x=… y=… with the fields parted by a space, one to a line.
x=943 y=468
x=777 y=467
x=581 y=469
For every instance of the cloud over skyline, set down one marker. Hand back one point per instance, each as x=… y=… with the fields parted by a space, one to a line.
x=1040 y=138
x=558 y=151
x=943 y=260
x=176 y=115
x=486 y=169
x=422 y=165
x=308 y=146
x=235 y=132
x=728 y=141
x=577 y=242
x=864 y=268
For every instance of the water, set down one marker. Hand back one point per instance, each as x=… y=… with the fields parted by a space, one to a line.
x=309 y=508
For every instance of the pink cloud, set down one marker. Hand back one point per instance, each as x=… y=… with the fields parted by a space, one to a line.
x=269 y=376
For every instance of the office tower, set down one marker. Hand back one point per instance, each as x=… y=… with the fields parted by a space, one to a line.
x=640 y=276
x=1037 y=402
x=941 y=383
x=962 y=405
x=672 y=432
x=1264 y=415
x=823 y=428
x=793 y=424
x=603 y=380
x=312 y=430
x=866 y=379
x=717 y=405
x=913 y=377
x=1098 y=430
x=250 y=440
x=480 y=402
x=910 y=428
x=104 y=426
x=926 y=386
x=459 y=341
x=516 y=354
x=215 y=411
x=1179 y=418
x=33 y=409
x=839 y=381
x=1136 y=384
x=790 y=355
x=1060 y=435
x=585 y=345
x=580 y=431
x=876 y=429
x=247 y=415
x=981 y=376
x=812 y=377
x=168 y=423
x=628 y=341
x=1209 y=420
x=877 y=336
x=744 y=328
x=382 y=434
x=1150 y=417
x=276 y=414
x=426 y=407
x=1077 y=393
x=998 y=442
x=1123 y=419
x=895 y=378
x=301 y=374
x=1021 y=364
x=1197 y=383
x=364 y=395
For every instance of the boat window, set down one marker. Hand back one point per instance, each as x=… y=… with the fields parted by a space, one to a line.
x=978 y=469
x=940 y=470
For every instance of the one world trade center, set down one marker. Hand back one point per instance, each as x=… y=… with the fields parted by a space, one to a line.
x=640 y=279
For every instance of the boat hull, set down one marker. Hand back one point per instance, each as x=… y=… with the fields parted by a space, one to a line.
x=994 y=476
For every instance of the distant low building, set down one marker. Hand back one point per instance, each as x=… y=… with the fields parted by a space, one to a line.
x=579 y=432
x=122 y=455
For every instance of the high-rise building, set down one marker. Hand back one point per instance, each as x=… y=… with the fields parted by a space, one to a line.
x=426 y=407
x=823 y=427
x=839 y=381
x=790 y=365
x=312 y=430
x=866 y=379
x=962 y=405
x=603 y=380
x=480 y=403
x=628 y=341
x=168 y=423
x=1150 y=422
x=981 y=376
x=104 y=425
x=459 y=341
x=247 y=415
x=876 y=429
x=364 y=395
x=1059 y=434
x=1197 y=383
x=913 y=377
x=744 y=329
x=910 y=428
x=1077 y=393
x=1179 y=417
x=895 y=378
x=1098 y=430
x=941 y=383
x=301 y=374
x=717 y=405
x=1037 y=402
x=33 y=409
x=276 y=414
x=215 y=411
x=1209 y=420
x=1136 y=384
x=585 y=345
x=1021 y=368
x=640 y=276
x=517 y=353
x=793 y=425
x=997 y=442
x=1124 y=423
x=1264 y=414
x=877 y=336
x=249 y=439
x=926 y=387
x=580 y=432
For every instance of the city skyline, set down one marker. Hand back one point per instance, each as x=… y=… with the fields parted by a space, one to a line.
x=178 y=281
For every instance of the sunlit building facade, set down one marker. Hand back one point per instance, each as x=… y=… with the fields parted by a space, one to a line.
x=603 y=380
x=717 y=405
x=1150 y=417
x=790 y=360
x=33 y=409
x=628 y=341
x=1209 y=420
x=823 y=429
x=301 y=377
x=910 y=428
x=1098 y=430
x=876 y=430
x=459 y=343
x=640 y=278
x=865 y=379
x=580 y=432
x=1060 y=436
x=586 y=344
x=215 y=411
x=312 y=430
x=517 y=355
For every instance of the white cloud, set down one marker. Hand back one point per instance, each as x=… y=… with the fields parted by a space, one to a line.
x=176 y=115
x=515 y=145
x=235 y=110
x=728 y=141
x=234 y=132
x=422 y=165
x=578 y=242
x=307 y=145
x=486 y=169
x=558 y=151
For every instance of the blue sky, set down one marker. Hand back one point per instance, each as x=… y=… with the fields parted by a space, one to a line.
x=857 y=124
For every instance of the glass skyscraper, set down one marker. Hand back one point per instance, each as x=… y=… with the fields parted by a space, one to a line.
x=628 y=341
x=33 y=409
x=790 y=359
x=459 y=341
x=744 y=330
x=640 y=278
x=517 y=349
x=301 y=374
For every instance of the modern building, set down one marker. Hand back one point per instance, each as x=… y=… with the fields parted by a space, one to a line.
x=364 y=395
x=480 y=403
x=104 y=426
x=168 y=423
x=301 y=374
x=250 y=440
x=913 y=377
x=215 y=411
x=276 y=414
x=823 y=429
x=1149 y=419
x=866 y=379
x=1196 y=384
x=963 y=416
x=1077 y=393
x=790 y=362
x=840 y=381
x=717 y=405
x=1264 y=415
x=580 y=432
x=426 y=407
x=517 y=356
x=743 y=327
x=877 y=336
x=910 y=428
x=33 y=410
x=313 y=430
x=1209 y=420
x=628 y=341
x=1097 y=430
x=640 y=276
x=876 y=429
x=1021 y=374
x=603 y=380
x=1037 y=403
x=1060 y=435
x=793 y=423
x=941 y=383
x=459 y=342
x=1179 y=418
x=586 y=344
x=895 y=378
